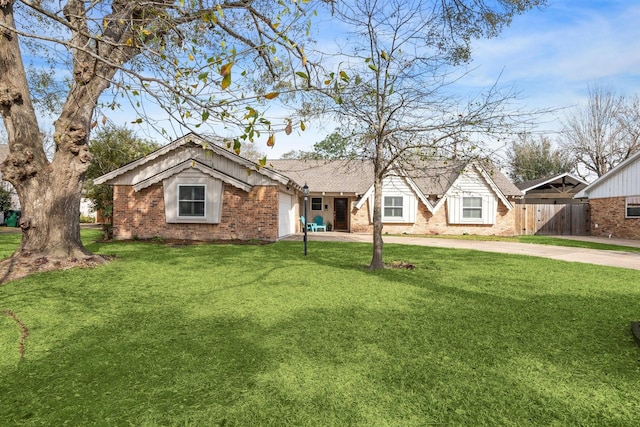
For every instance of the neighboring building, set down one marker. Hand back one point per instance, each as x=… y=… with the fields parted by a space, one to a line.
x=555 y=190
x=614 y=199
x=193 y=189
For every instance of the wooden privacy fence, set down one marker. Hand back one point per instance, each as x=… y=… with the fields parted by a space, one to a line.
x=553 y=220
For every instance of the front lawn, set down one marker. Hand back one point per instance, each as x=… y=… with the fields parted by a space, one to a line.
x=261 y=335
x=539 y=240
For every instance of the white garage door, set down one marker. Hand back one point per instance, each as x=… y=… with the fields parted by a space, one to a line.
x=286 y=224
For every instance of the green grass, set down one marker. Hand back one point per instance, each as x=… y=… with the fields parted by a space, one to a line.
x=558 y=241
x=540 y=240
x=261 y=335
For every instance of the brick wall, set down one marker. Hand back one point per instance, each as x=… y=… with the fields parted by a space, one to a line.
x=245 y=216
x=609 y=216
x=428 y=223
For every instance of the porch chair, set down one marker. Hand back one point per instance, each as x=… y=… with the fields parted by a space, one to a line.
x=320 y=225
x=309 y=225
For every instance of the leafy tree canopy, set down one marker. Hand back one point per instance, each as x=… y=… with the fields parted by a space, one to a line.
x=334 y=146
x=530 y=159
x=111 y=148
x=115 y=146
x=202 y=64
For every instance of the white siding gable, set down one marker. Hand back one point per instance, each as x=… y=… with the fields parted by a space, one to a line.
x=395 y=187
x=471 y=184
x=622 y=181
x=215 y=161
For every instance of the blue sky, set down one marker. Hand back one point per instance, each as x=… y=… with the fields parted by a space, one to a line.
x=550 y=57
x=553 y=55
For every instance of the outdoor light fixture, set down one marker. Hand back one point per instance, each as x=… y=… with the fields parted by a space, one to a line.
x=305 y=191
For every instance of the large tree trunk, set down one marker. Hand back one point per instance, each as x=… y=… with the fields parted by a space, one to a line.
x=50 y=204
x=49 y=192
x=50 y=222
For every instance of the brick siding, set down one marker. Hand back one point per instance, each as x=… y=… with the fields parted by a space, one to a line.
x=245 y=216
x=428 y=223
x=608 y=218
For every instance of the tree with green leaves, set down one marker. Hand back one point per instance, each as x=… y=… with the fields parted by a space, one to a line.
x=334 y=146
x=395 y=94
x=530 y=159
x=200 y=63
x=112 y=147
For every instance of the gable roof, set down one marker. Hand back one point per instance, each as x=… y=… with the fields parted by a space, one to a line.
x=191 y=164
x=356 y=176
x=436 y=177
x=451 y=172
x=189 y=140
x=612 y=174
x=548 y=182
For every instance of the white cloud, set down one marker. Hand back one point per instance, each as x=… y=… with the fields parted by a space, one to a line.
x=553 y=55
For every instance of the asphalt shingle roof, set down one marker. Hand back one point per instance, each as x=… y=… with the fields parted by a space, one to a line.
x=348 y=176
x=356 y=176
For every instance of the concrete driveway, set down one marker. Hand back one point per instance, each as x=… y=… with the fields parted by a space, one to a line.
x=589 y=256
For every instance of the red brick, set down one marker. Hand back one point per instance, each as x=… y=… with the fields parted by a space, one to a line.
x=609 y=216
x=245 y=216
x=428 y=223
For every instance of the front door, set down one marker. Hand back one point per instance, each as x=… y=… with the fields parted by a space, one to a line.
x=341 y=214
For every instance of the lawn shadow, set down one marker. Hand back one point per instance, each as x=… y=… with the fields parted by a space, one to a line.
x=137 y=367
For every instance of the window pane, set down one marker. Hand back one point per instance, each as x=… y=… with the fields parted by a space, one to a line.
x=633 y=211
x=472 y=213
x=198 y=193
x=184 y=193
x=316 y=203
x=393 y=201
x=472 y=202
x=394 y=212
x=392 y=206
x=191 y=209
x=186 y=208
x=198 y=208
x=191 y=192
x=191 y=200
x=472 y=207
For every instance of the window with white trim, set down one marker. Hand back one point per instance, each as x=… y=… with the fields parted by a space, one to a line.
x=191 y=200
x=316 y=203
x=392 y=207
x=472 y=207
x=633 y=207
